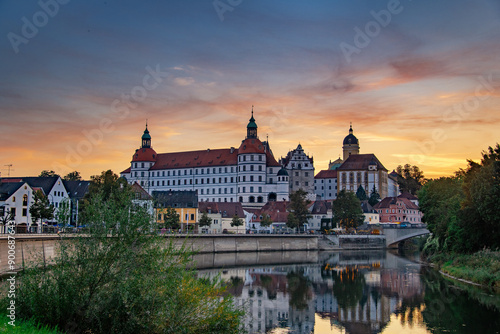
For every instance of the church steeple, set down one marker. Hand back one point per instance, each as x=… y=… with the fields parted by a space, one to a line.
x=252 y=127
x=146 y=138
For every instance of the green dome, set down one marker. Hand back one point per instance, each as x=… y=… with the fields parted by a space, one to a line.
x=282 y=172
x=146 y=134
x=252 y=124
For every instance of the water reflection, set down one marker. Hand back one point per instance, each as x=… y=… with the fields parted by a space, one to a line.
x=355 y=292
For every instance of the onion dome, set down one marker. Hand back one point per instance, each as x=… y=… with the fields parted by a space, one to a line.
x=350 y=139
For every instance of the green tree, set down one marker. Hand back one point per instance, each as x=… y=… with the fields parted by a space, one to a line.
x=41 y=207
x=361 y=193
x=205 y=220
x=73 y=176
x=299 y=207
x=410 y=178
x=292 y=221
x=440 y=200
x=266 y=220
x=119 y=278
x=237 y=221
x=172 y=219
x=47 y=173
x=374 y=197
x=347 y=210
x=479 y=216
x=63 y=213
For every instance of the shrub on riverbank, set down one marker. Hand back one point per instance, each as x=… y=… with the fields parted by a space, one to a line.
x=24 y=327
x=123 y=279
x=482 y=267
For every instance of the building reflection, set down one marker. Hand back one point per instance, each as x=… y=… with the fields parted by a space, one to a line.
x=356 y=292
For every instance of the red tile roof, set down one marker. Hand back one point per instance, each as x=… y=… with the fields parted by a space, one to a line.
x=226 y=209
x=408 y=196
x=277 y=210
x=386 y=202
x=361 y=162
x=126 y=171
x=144 y=154
x=204 y=158
x=326 y=174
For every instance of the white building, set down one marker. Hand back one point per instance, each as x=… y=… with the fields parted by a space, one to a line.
x=325 y=184
x=248 y=175
x=52 y=187
x=15 y=201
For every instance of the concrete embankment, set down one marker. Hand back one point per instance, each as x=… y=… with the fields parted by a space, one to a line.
x=30 y=245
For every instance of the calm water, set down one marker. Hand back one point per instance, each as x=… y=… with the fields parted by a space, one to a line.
x=350 y=292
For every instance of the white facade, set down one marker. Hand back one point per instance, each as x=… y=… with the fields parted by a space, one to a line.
x=326 y=187
x=248 y=175
x=18 y=204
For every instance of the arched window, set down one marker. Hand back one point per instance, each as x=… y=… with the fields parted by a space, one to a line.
x=251 y=199
x=25 y=200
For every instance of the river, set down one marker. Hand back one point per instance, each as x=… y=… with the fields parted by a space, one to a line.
x=350 y=292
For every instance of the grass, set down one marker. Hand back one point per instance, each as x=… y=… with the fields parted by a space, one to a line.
x=482 y=267
x=24 y=327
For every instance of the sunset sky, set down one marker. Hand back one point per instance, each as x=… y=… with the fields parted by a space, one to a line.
x=419 y=80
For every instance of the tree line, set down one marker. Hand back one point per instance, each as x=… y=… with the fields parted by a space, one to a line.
x=462 y=211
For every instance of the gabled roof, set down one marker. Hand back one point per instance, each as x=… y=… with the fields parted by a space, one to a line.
x=278 y=211
x=326 y=174
x=408 y=196
x=9 y=188
x=321 y=207
x=361 y=162
x=46 y=183
x=76 y=189
x=176 y=199
x=366 y=207
x=388 y=201
x=226 y=209
x=126 y=171
x=141 y=194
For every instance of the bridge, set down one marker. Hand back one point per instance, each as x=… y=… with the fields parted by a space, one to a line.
x=394 y=235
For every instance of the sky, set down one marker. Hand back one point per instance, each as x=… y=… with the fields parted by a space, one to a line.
x=419 y=80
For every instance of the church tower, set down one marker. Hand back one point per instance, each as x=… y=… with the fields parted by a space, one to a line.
x=252 y=127
x=350 y=145
x=146 y=138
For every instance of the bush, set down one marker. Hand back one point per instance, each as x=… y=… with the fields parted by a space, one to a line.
x=122 y=279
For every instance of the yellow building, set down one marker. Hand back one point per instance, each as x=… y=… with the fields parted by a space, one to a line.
x=184 y=203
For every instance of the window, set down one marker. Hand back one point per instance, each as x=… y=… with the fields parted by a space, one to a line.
x=14 y=199
x=163 y=182
x=25 y=212
x=25 y=200
x=260 y=168
x=251 y=178
x=251 y=168
x=251 y=189
x=192 y=216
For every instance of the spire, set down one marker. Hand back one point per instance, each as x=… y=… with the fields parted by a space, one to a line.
x=252 y=127
x=146 y=137
x=350 y=128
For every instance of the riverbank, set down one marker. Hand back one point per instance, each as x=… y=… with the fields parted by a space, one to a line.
x=24 y=327
x=481 y=268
